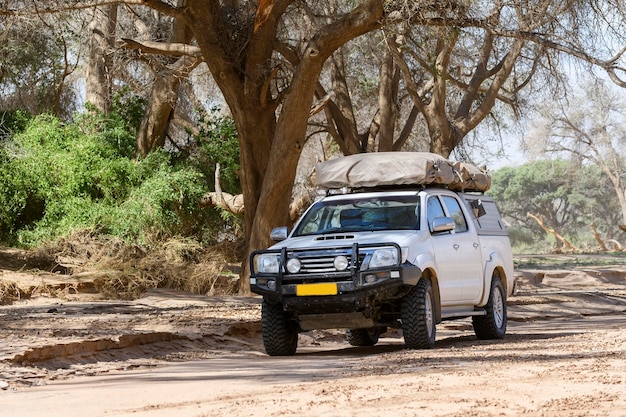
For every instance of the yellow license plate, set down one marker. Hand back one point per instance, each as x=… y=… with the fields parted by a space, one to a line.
x=322 y=288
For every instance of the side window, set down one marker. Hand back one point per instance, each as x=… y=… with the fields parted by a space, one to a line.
x=452 y=204
x=433 y=210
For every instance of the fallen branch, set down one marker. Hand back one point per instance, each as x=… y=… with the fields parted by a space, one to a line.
x=618 y=246
x=553 y=232
x=229 y=202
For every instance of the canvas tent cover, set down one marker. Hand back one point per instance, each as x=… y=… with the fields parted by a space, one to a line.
x=378 y=169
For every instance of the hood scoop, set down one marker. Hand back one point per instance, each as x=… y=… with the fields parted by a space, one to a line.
x=335 y=237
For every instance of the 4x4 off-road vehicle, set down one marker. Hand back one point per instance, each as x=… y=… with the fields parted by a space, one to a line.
x=402 y=240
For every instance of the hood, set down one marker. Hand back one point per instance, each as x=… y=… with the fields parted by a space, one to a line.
x=401 y=237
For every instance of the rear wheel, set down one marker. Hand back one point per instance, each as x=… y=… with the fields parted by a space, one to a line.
x=418 y=319
x=493 y=324
x=280 y=334
x=364 y=337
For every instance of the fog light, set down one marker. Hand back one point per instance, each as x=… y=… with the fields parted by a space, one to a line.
x=341 y=263
x=294 y=265
x=271 y=285
x=370 y=278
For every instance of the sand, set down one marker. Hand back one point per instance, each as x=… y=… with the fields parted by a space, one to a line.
x=67 y=352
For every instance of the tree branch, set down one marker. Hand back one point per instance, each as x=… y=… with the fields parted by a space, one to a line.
x=160 y=48
x=553 y=232
x=43 y=7
x=609 y=65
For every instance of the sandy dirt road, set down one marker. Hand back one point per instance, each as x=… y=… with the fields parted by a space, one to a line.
x=176 y=354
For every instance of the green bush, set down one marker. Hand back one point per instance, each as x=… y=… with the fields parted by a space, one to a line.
x=216 y=143
x=56 y=178
x=12 y=122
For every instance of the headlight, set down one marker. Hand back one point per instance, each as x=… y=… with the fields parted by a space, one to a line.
x=341 y=263
x=267 y=263
x=384 y=257
x=294 y=265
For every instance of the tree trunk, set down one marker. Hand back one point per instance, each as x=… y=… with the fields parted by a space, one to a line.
x=161 y=106
x=598 y=238
x=621 y=196
x=443 y=139
x=256 y=129
x=98 y=79
x=341 y=111
x=615 y=176
x=164 y=94
x=387 y=96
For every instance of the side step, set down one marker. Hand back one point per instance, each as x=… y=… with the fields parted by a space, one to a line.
x=457 y=314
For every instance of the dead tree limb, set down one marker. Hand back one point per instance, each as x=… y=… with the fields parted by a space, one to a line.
x=553 y=232
x=229 y=202
x=618 y=246
x=596 y=235
x=321 y=103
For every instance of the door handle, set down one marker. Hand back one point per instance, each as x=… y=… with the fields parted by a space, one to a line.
x=455 y=246
x=476 y=245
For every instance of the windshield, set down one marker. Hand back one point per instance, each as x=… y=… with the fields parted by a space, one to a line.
x=356 y=215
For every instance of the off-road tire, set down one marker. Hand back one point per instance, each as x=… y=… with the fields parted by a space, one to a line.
x=418 y=318
x=364 y=337
x=492 y=325
x=280 y=334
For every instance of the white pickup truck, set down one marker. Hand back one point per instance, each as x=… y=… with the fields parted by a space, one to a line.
x=373 y=260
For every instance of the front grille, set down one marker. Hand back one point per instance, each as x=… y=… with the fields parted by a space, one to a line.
x=317 y=265
x=323 y=263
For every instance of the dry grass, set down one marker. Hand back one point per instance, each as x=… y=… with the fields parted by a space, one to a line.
x=9 y=292
x=127 y=271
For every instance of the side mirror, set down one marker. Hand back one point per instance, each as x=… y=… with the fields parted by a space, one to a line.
x=443 y=224
x=279 y=233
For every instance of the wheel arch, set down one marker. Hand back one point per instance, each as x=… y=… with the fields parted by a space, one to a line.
x=430 y=275
x=499 y=273
x=498 y=267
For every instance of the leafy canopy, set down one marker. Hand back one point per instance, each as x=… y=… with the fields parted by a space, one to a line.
x=569 y=197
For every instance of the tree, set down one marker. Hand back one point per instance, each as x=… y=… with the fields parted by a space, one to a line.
x=591 y=128
x=269 y=74
x=566 y=196
x=99 y=79
x=457 y=67
x=35 y=64
x=164 y=93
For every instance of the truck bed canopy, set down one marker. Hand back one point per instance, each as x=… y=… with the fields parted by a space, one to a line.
x=379 y=169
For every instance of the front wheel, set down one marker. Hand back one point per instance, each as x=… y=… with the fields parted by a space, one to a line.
x=418 y=319
x=493 y=324
x=280 y=334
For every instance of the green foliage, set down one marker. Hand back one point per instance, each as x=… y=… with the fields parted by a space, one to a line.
x=32 y=65
x=129 y=107
x=568 y=196
x=217 y=143
x=12 y=122
x=56 y=178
